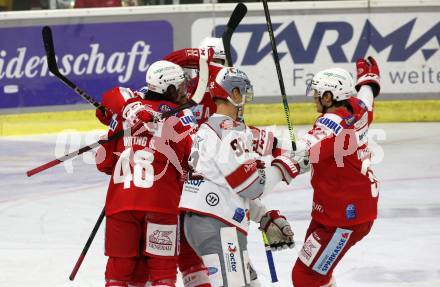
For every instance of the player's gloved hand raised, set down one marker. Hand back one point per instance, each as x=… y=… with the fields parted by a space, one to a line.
x=189 y=57
x=103 y=116
x=278 y=230
x=135 y=114
x=291 y=165
x=368 y=74
x=263 y=141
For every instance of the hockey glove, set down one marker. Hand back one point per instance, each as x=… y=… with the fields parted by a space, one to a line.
x=291 y=166
x=134 y=113
x=188 y=57
x=368 y=74
x=278 y=230
x=103 y=116
x=263 y=141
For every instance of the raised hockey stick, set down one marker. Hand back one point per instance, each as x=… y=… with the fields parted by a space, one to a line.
x=235 y=19
x=196 y=99
x=86 y=247
x=280 y=75
x=53 y=67
x=270 y=262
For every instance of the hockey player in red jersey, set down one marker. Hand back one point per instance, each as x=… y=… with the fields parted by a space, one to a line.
x=141 y=227
x=345 y=189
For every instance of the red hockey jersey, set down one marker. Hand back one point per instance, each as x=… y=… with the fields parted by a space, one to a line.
x=345 y=188
x=146 y=168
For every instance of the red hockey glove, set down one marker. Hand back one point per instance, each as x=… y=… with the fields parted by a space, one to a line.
x=135 y=113
x=368 y=74
x=291 y=166
x=188 y=57
x=278 y=230
x=104 y=117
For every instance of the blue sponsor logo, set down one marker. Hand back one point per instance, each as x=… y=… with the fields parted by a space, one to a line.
x=187 y=120
x=350 y=212
x=332 y=251
x=212 y=270
x=399 y=42
x=239 y=214
x=87 y=55
x=194 y=182
x=335 y=127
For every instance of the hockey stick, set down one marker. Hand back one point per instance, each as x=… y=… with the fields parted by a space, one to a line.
x=235 y=19
x=86 y=247
x=270 y=262
x=280 y=75
x=53 y=67
x=196 y=99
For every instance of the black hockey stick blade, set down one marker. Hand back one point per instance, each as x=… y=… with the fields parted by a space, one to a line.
x=49 y=47
x=50 y=50
x=235 y=19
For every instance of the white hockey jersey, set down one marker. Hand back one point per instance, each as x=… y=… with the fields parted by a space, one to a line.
x=226 y=181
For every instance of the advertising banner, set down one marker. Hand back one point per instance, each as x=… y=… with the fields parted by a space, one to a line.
x=96 y=57
x=406 y=46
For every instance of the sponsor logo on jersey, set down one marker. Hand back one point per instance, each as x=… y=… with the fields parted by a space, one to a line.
x=231 y=259
x=332 y=251
x=309 y=250
x=212 y=199
x=188 y=120
x=350 y=212
x=335 y=127
x=212 y=270
x=160 y=240
x=239 y=214
x=250 y=167
x=194 y=182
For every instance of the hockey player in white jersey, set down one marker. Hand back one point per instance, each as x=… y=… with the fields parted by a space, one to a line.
x=222 y=194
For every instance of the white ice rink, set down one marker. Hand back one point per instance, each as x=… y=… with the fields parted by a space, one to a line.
x=45 y=220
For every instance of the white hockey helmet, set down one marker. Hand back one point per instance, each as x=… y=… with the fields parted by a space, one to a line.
x=217 y=45
x=336 y=80
x=162 y=74
x=228 y=79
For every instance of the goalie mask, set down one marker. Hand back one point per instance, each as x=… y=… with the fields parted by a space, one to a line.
x=226 y=81
x=336 y=81
x=163 y=74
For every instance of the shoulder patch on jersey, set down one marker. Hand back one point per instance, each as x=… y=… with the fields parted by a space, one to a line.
x=113 y=123
x=228 y=124
x=332 y=122
x=164 y=108
x=349 y=120
x=188 y=120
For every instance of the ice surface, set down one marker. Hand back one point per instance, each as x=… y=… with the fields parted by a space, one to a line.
x=45 y=220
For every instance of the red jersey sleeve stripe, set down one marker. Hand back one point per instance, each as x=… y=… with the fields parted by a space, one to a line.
x=242 y=173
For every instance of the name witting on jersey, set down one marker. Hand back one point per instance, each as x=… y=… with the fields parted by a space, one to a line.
x=131 y=141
